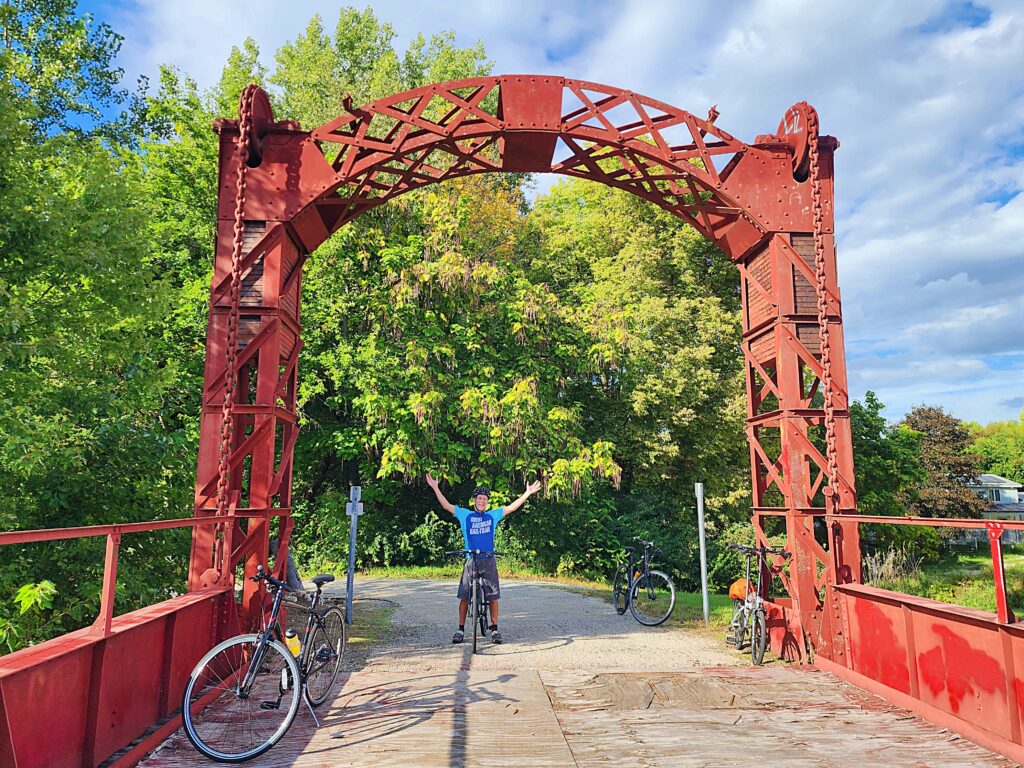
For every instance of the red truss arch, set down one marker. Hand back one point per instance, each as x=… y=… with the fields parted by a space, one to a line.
x=752 y=200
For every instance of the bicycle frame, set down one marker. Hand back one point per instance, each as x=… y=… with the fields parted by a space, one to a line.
x=273 y=630
x=753 y=600
x=633 y=561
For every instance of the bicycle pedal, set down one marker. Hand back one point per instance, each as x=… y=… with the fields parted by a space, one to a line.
x=270 y=705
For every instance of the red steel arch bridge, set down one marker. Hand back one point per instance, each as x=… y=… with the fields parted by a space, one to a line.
x=283 y=191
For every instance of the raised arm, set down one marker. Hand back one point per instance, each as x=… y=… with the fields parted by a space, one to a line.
x=531 y=489
x=432 y=482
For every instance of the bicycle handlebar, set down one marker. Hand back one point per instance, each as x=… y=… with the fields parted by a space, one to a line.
x=759 y=550
x=263 y=575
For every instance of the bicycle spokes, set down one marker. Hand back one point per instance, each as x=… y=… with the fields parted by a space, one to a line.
x=237 y=707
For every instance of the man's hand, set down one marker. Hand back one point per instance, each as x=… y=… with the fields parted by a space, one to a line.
x=447 y=505
x=531 y=489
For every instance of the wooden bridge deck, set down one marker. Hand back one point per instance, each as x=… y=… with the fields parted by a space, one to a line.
x=577 y=719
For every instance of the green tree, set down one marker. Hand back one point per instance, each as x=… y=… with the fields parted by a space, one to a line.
x=949 y=465
x=1001 y=447
x=887 y=459
x=889 y=471
x=81 y=391
x=61 y=63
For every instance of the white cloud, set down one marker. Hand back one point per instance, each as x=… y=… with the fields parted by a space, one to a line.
x=929 y=111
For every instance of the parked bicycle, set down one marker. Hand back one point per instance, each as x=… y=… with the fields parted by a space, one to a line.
x=749 y=613
x=478 y=603
x=648 y=594
x=244 y=694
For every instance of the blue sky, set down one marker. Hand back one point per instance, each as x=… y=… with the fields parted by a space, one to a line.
x=926 y=98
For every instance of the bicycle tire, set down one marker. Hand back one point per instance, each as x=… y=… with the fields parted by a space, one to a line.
x=325 y=655
x=620 y=593
x=484 y=615
x=217 y=729
x=651 y=603
x=475 y=609
x=758 y=636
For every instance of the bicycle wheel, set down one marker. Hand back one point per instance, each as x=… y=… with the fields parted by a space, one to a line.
x=227 y=724
x=324 y=655
x=474 y=610
x=620 y=592
x=652 y=597
x=485 y=615
x=758 y=636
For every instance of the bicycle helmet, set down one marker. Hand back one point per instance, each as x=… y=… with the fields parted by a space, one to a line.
x=481 y=490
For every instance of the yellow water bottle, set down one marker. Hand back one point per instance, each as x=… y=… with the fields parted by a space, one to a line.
x=292 y=641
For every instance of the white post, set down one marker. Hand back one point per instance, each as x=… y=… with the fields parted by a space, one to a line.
x=699 y=490
x=353 y=509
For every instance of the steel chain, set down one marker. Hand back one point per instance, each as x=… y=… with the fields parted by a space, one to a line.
x=832 y=470
x=234 y=298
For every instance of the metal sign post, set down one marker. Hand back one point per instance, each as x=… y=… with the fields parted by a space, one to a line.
x=353 y=509
x=699 y=490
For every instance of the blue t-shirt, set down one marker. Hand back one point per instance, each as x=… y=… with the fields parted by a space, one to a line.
x=478 y=527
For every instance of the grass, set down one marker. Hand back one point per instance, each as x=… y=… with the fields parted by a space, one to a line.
x=371 y=624
x=963 y=578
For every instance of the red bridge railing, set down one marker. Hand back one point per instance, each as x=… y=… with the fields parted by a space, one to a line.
x=113 y=688
x=100 y=688
x=961 y=668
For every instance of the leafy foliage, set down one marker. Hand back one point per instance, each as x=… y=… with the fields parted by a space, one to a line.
x=949 y=465
x=1001 y=448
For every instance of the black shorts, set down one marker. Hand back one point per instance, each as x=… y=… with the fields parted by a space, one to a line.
x=488 y=571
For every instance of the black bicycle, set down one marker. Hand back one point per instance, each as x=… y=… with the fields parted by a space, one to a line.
x=479 y=606
x=649 y=595
x=749 y=614
x=244 y=694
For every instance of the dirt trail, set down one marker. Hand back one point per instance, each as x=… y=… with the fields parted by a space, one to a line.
x=544 y=627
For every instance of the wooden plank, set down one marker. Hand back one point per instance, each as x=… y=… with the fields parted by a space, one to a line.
x=434 y=720
x=717 y=717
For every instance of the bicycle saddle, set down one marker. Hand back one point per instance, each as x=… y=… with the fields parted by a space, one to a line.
x=323 y=578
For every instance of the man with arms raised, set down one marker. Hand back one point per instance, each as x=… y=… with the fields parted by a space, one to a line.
x=478 y=526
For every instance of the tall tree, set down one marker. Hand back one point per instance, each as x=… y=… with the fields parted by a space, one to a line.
x=950 y=466
x=887 y=460
x=81 y=390
x=61 y=62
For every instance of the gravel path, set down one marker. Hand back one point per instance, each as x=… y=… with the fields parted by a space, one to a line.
x=545 y=626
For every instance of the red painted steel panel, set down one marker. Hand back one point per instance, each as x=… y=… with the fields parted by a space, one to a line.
x=190 y=640
x=878 y=642
x=960 y=669
x=293 y=173
x=958 y=663
x=129 y=695
x=530 y=102
x=54 y=692
x=943 y=719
